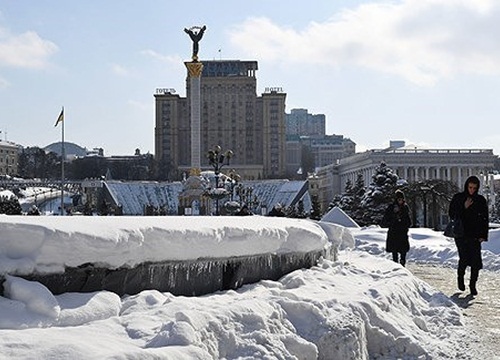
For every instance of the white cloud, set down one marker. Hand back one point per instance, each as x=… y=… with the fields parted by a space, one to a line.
x=175 y=60
x=120 y=70
x=27 y=50
x=422 y=41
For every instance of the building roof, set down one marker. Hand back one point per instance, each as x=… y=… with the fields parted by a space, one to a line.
x=337 y=216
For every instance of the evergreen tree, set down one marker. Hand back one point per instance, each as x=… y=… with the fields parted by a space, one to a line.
x=10 y=205
x=350 y=200
x=358 y=191
x=495 y=213
x=34 y=162
x=343 y=201
x=378 y=195
x=346 y=200
x=337 y=199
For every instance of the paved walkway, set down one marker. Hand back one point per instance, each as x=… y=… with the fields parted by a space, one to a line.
x=481 y=312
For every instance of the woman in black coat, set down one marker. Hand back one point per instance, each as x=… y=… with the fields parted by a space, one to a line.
x=397 y=219
x=472 y=210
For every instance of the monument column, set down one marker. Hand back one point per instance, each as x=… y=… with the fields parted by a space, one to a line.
x=194 y=72
x=195 y=69
x=191 y=198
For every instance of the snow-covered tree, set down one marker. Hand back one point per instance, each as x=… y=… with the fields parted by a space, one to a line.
x=350 y=200
x=10 y=205
x=358 y=191
x=378 y=195
x=346 y=199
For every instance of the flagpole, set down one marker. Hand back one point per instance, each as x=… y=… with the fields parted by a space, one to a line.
x=63 y=156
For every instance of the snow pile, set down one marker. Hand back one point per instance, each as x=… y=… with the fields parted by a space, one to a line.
x=342 y=310
x=47 y=244
x=362 y=306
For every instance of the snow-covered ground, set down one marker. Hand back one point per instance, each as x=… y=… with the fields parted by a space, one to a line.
x=362 y=306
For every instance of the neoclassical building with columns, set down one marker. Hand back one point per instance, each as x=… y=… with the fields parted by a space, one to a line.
x=411 y=164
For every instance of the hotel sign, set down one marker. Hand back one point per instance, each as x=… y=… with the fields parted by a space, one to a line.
x=164 y=91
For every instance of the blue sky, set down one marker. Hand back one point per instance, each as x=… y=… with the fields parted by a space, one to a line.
x=424 y=71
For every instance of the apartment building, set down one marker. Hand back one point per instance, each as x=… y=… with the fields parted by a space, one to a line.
x=232 y=116
x=9 y=156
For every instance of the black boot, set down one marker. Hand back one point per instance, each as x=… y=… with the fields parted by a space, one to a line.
x=460 y=278
x=473 y=290
x=402 y=259
x=474 y=275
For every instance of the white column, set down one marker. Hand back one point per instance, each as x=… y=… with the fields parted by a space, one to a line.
x=195 y=123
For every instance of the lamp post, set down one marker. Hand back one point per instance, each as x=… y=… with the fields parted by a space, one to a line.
x=234 y=183
x=217 y=159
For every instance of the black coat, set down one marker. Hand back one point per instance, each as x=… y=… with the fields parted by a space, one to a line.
x=397 y=219
x=475 y=223
x=475 y=218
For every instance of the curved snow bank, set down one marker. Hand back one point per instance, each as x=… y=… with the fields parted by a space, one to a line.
x=363 y=307
x=49 y=244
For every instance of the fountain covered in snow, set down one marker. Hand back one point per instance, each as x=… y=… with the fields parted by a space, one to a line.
x=184 y=255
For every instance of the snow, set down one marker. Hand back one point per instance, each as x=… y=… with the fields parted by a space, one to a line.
x=337 y=216
x=134 y=196
x=361 y=306
x=47 y=244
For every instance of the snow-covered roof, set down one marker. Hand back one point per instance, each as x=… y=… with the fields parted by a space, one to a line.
x=134 y=196
x=337 y=216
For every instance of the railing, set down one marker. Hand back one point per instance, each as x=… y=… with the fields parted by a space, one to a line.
x=434 y=151
x=10 y=184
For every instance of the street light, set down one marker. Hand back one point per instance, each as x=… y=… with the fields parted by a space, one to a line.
x=231 y=183
x=234 y=182
x=217 y=159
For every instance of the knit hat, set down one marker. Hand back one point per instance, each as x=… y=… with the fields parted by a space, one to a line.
x=399 y=194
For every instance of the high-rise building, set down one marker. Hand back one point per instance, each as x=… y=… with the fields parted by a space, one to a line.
x=306 y=138
x=232 y=116
x=301 y=122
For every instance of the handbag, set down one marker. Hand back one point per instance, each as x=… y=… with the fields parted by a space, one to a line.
x=454 y=229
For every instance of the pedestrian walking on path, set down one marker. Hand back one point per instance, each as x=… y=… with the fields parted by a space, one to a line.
x=397 y=219
x=471 y=210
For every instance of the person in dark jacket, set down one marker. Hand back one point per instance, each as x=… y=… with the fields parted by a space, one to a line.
x=244 y=211
x=277 y=210
x=397 y=219
x=472 y=210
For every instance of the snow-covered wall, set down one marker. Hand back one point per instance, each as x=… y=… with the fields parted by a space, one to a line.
x=125 y=252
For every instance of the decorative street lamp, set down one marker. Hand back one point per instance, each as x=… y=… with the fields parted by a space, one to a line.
x=234 y=182
x=217 y=159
